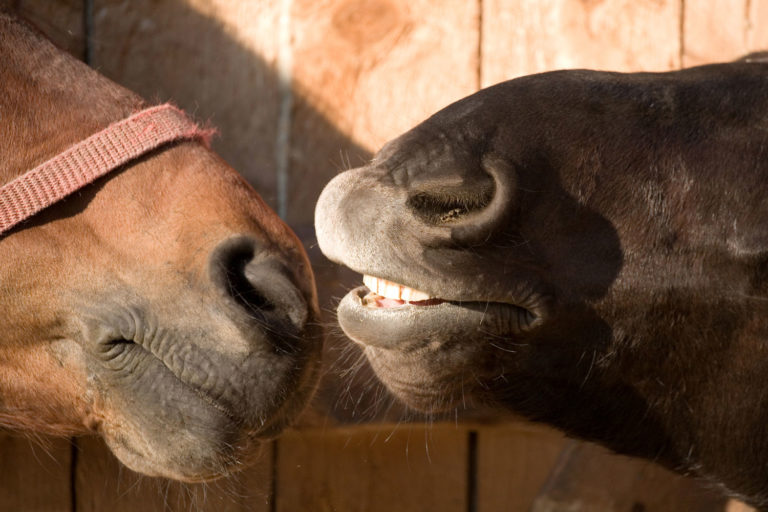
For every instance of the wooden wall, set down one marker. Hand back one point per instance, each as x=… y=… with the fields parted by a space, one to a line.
x=406 y=467
x=300 y=90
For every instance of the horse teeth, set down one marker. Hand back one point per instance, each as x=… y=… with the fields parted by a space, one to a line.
x=412 y=295
x=392 y=290
x=372 y=283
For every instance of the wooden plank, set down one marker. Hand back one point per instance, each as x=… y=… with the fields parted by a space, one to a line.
x=714 y=30
x=61 y=21
x=36 y=474
x=374 y=469
x=757 y=36
x=521 y=38
x=738 y=506
x=513 y=463
x=214 y=58
x=370 y=69
x=584 y=470
x=723 y=30
x=103 y=484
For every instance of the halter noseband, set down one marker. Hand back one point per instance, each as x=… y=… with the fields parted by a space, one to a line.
x=89 y=159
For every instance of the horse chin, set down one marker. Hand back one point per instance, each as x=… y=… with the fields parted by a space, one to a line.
x=426 y=388
x=191 y=460
x=187 y=436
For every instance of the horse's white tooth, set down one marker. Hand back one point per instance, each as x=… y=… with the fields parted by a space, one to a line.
x=372 y=283
x=391 y=290
x=412 y=295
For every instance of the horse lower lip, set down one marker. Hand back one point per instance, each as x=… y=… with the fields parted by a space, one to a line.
x=408 y=325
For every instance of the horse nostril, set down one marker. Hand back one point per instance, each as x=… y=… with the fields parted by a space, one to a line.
x=257 y=281
x=444 y=208
x=228 y=263
x=493 y=214
x=473 y=205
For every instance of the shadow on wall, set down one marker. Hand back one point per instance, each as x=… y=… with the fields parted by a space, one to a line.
x=198 y=59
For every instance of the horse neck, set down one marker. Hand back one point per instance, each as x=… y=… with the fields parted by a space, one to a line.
x=48 y=99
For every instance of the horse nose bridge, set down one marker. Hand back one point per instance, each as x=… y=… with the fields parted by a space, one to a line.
x=254 y=278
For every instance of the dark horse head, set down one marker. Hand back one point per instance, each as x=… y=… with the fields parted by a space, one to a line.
x=587 y=249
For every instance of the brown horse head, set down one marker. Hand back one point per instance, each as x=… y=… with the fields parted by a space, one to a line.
x=165 y=307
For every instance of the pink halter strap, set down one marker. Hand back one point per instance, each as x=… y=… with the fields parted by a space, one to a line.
x=81 y=164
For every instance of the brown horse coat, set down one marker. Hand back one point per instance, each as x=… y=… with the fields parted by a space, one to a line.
x=165 y=307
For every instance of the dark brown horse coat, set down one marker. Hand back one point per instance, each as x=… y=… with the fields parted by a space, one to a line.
x=594 y=251
x=164 y=307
